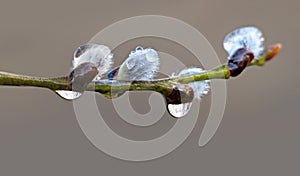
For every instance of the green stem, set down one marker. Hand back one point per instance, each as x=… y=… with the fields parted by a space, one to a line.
x=112 y=89
x=115 y=88
x=10 y=79
x=164 y=86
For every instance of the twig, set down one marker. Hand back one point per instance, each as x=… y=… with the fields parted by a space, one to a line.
x=115 y=88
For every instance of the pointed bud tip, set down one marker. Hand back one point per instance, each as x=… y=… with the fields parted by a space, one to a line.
x=273 y=50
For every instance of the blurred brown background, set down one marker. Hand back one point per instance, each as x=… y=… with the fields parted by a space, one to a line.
x=39 y=133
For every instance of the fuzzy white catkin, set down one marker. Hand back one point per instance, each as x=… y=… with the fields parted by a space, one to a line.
x=200 y=87
x=141 y=64
x=249 y=37
x=100 y=55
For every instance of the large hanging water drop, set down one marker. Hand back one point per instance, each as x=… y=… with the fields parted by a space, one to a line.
x=179 y=110
x=68 y=95
x=179 y=102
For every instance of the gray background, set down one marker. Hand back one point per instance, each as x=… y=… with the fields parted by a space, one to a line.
x=39 y=133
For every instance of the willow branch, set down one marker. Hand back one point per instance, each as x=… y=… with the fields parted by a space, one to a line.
x=114 y=88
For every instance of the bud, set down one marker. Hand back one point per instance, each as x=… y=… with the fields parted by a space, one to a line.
x=239 y=61
x=82 y=75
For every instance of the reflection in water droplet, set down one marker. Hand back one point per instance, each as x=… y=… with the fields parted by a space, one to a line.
x=68 y=95
x=179 y=110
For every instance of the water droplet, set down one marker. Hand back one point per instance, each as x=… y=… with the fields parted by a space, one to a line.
x=68 y=95
x=249 y=37
x=100 y=55
x=179 y=110
x=179 y=101
x=138 y=48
